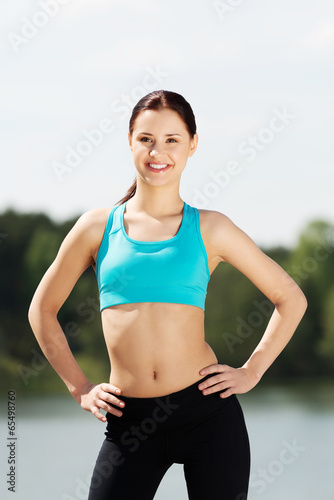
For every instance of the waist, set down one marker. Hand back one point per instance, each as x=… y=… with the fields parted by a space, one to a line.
x=176 y=408
x=162 y=380
x=154 y=371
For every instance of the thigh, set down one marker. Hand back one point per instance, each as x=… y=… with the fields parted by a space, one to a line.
x=122 y=472
x=219 y=466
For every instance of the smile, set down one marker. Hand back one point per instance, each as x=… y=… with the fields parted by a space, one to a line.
x=158 y=166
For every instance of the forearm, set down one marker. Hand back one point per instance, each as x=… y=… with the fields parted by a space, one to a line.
x=54 y=345
x=282 y=325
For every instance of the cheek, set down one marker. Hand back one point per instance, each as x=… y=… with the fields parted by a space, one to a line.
x=178 y=149
x=181 y=150
x=139 y=150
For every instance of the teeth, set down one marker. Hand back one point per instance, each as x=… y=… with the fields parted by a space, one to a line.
x=158 y=167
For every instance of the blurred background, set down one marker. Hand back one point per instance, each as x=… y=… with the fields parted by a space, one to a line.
x=259 y=77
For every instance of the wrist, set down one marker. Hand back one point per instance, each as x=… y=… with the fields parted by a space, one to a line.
x=80 y=389
x=252 y=372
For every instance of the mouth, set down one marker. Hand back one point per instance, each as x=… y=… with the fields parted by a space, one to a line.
x=158 y=167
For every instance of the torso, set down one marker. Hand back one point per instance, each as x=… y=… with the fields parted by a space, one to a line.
x=156 y=348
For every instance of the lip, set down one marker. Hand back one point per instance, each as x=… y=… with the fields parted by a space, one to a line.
x=155 y=169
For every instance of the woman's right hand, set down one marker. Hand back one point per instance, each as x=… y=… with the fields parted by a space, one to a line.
x=95 y=397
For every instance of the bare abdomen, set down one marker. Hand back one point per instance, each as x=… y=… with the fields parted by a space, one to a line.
x=155 y=348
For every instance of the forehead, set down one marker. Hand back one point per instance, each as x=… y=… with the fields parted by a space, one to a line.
x=163 y=120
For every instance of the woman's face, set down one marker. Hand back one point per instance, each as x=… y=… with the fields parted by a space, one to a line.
x=161 y=146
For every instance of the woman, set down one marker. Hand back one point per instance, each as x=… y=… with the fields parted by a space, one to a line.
x=168 y=399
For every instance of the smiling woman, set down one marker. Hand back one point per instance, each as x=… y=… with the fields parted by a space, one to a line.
x=168 y=400
x=162 y=101
x=162 y=150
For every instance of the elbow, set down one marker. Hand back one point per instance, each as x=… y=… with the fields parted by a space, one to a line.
x=32 y=314
x=299 y=299
x=299 y=305
x=303 y=301
x=299 y=302
x=31 y=311
x=296 y=298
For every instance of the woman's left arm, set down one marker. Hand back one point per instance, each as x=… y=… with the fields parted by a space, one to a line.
x=230 y=244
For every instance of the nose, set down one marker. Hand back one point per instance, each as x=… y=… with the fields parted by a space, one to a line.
x=154 y=152
x=156 y=149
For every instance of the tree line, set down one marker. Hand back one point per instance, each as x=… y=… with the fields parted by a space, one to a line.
x=236 y=311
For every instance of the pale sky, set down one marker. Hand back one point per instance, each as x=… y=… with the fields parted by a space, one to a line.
x=258 y=74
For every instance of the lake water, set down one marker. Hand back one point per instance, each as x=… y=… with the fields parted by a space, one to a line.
x=291 y=432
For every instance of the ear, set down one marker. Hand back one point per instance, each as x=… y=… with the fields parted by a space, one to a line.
x=130 y=140
x=193 y=145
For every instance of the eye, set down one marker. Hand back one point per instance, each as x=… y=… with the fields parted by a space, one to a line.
x=171 y=139
x=144 y=139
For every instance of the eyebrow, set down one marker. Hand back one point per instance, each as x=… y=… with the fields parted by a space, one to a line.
x=167 y=135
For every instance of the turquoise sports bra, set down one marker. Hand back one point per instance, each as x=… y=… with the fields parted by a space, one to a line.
x=174 y=270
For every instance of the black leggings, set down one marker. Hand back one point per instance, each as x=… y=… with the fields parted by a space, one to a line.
x=205 y=433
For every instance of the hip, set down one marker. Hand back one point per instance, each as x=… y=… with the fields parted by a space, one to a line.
x=172 y=411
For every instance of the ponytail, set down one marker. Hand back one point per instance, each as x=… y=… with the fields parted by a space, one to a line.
x=129 y=194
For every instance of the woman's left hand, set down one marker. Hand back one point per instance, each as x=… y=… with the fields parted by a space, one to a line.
x=227 y=379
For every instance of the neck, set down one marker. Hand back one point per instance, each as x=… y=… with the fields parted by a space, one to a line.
x=156 y=201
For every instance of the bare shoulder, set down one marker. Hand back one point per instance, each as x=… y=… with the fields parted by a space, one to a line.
x=93 y=220
x=85 y=236
x=91 y=226
x=219 y=232
x=212 y=220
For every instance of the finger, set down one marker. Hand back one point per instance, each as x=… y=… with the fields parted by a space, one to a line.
x=215 y=379
x=212 y=369
x=110 y=409
x=110 y=388
x=221 y=386
x=96 y=412
x=226 y=393
x=110 y=398
x=214 y=388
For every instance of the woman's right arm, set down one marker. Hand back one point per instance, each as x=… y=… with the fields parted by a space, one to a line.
x=75 y=255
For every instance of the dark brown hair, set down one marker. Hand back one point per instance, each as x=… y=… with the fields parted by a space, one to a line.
x=156 y=100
